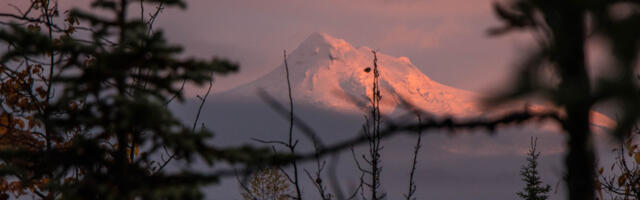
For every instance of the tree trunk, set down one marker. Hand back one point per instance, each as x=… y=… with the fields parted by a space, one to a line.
x=567 y=21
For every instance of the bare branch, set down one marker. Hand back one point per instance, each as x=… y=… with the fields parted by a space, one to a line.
x=416 y=150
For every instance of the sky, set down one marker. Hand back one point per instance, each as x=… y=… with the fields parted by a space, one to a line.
x=446 y=39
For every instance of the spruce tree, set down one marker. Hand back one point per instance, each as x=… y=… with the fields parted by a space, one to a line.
x=86 y=118
x=534 y=188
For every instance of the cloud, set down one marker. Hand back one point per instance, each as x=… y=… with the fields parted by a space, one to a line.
x=420 y=30
x=403 y=35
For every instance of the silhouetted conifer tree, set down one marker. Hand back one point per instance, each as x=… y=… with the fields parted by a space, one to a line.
x=86 y=118
x=534 y=188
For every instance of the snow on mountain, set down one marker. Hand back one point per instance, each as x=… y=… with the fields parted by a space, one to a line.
x=330 y=73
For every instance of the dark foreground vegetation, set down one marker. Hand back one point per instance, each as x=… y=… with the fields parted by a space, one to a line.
x=84 y=115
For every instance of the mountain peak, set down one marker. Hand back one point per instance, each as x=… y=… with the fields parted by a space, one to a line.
x=317 y=42
x=329 y=72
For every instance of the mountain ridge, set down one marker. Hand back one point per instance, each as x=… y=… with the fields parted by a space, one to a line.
x=329 y=72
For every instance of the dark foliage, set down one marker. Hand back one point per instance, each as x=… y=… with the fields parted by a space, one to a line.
x=562 y=28
x=98 y=134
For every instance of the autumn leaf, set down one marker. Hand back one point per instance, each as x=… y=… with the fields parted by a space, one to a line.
x=74 y=106
x=601 y=170
x=20 y=123
x=4 y=123
x=24 y=103
x=636 y=156
x=622 y=179
x=41 y=92
x=31 y=124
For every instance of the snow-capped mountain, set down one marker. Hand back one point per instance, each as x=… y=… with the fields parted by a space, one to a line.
x=330 y=73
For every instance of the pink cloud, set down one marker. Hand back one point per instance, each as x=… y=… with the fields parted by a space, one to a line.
x=407 y=36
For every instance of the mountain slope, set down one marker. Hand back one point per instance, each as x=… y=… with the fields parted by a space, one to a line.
x=329 y=73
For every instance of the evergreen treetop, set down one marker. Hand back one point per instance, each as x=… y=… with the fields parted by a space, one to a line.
x=534 y=188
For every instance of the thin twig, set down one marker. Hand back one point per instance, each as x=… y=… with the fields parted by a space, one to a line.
x=195 y=122
x=416 y=150
x=290 y=144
